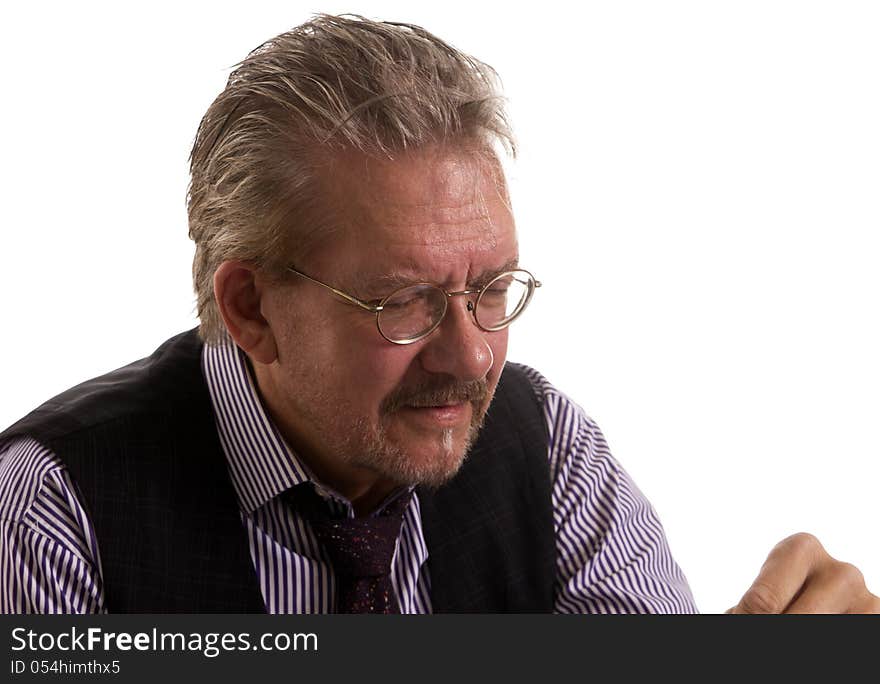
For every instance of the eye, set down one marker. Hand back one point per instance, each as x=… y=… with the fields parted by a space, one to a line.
x=409 y=298
x=402 y=302
x=499 y=286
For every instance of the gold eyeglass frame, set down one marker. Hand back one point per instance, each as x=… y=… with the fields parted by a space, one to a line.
x=376 y=309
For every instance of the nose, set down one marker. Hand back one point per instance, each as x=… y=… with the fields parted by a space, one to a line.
x=458 y=347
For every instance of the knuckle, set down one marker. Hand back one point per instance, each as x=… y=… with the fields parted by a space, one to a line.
x=761 y=598
x=803 y=545
x=805 y=541
x=850 y=575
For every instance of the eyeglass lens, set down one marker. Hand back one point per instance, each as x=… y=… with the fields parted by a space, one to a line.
x=503 y=299
x=412 y=312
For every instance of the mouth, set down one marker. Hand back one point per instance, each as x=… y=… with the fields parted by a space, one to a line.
x=440 y=415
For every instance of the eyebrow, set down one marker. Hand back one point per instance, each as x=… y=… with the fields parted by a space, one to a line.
x=393 y=280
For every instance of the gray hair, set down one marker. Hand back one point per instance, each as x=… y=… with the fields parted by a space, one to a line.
x=334 y=84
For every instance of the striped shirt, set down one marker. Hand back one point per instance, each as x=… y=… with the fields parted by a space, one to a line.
x=612 y=554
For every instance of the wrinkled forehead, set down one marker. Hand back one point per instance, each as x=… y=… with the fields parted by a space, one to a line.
x=430 y=196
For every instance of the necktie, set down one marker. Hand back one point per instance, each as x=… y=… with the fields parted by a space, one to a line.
x=360 y=550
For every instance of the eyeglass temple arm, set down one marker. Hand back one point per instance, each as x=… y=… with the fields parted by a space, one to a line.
x=354 y=300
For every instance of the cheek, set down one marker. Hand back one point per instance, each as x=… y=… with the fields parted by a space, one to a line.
x=498 y=344
x=365 y=368
x=385 y=367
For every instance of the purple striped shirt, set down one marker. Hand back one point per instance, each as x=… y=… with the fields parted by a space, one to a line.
x=612 y=554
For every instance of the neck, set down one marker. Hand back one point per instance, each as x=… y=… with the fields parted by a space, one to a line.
x=363 y=488
x=370 y=500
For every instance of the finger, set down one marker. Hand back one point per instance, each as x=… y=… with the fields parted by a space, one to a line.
x=782 y=576
x=839 y=588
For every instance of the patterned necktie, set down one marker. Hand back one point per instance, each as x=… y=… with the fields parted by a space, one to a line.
x=360 y=549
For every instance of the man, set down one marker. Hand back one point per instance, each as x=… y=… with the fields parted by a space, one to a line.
x=348 y=438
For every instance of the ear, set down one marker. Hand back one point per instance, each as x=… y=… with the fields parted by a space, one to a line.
x=239 y=294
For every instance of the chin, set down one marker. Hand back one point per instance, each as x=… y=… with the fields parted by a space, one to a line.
x=411 y=452
x=430 y=461
x=441 y=466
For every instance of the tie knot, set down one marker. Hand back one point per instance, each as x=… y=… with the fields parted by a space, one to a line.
x=358 y=548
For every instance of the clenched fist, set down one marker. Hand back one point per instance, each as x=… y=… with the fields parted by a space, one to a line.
x=800 y=577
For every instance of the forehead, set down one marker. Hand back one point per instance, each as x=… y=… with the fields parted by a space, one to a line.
x=434 y=207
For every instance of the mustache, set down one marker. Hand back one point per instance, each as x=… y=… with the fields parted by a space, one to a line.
x=437 y=393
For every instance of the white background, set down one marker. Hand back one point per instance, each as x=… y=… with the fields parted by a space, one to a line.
x=697 y=188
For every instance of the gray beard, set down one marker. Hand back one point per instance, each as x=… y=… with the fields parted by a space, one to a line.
x=389 y=461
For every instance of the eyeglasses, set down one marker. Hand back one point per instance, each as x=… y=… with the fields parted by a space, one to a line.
x=414 y=311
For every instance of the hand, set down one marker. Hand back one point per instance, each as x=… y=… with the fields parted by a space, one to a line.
x=800 y=577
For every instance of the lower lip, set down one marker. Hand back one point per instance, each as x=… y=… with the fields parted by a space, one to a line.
x=444 y=415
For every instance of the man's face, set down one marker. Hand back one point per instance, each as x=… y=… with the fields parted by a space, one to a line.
x=343 y=394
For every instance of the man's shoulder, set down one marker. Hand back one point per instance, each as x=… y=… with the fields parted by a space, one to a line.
x=25 y=464
x=540 y=386
x=562 y=414
x=545 y=392
x=169 y=375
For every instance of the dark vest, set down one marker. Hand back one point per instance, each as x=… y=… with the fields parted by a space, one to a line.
x=142 y=446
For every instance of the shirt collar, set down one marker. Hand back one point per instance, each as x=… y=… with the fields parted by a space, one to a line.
x=261 y=464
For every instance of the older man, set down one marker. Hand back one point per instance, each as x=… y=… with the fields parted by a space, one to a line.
x=344 y=433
